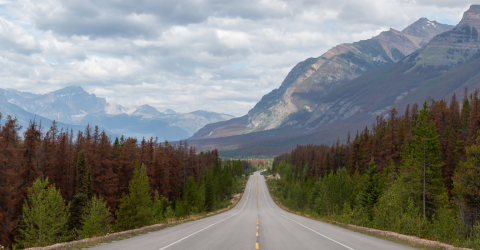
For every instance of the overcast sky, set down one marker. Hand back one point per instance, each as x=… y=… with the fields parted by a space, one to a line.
x=217 y=55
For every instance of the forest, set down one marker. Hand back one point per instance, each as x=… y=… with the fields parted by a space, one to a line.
x=416 y=174
x=57 y=186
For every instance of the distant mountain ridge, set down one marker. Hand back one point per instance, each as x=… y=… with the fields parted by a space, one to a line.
x=67 y=105
x=299 y=96
x=73 y=105
x=24 y=117
x=446 y=65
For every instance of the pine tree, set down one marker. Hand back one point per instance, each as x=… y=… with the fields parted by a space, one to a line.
x=297 y=196
x=192 y=196
x=467 y=185
x=423 y=164
x=136 y=208
x=160 y=205
x=169 y=214
x=45 y=216
x=371 y=189
x=96 y=218
x=209 y=192
x=83 y=193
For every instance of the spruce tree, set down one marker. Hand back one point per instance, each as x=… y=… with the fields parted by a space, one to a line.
x=467 y=184
x=160 y=205
x=83 y=193
x=96 y=218
x=44 y=217
x=209 y=192
x=136 y=208
x=297 y=196
x=169 y=214
x=192 y=196
x=371 y=189
x=422 y=168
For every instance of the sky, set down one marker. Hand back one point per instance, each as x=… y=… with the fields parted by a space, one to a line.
x=214 y=55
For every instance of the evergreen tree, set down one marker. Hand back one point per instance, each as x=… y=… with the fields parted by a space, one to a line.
x=180 y=208
x=297 y=196
x=96 y=218
x=209 y=192
x=169 y=214
x=45 y=216
x=76 y=209
x=160 y=205
x=423 y=165
x=467 y=184
x=371 y=189
x=192 y=196
x=136 y=208
x=83 y=193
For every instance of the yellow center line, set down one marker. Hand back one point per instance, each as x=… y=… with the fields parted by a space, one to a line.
x=257 y=234
x=256 y=245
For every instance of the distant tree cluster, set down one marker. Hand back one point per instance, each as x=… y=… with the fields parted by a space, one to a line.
x=59 y=186
x=417 y=174
x=249 y=165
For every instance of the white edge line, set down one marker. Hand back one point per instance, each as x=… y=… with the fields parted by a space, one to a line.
x=211 y=224
x=302 y=224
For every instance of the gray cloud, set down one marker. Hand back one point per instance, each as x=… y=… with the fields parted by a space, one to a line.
x=186 y=55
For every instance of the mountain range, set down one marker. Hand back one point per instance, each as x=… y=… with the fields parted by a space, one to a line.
x=75 y=108
x=346 y=88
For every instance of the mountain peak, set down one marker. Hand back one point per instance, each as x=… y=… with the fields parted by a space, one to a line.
x=471 y=17
x=474 y=8
x=146 y=111
x=425 y=28
x=169 y=112
x=464 y=35
x=68 y=90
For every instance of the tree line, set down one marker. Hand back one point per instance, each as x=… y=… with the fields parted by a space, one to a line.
x=416 y=174
x=97 y=186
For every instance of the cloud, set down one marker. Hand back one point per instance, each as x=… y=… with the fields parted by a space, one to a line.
x=186 y=55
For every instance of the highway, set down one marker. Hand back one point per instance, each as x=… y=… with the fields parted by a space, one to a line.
x=256 y=222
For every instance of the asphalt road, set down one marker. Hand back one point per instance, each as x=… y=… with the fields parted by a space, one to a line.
x=256 y=222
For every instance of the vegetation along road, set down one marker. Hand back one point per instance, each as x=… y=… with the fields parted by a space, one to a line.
x=256 y=222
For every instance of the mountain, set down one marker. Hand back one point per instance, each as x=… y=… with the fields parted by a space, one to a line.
x=146 y=121
x=146 y=111
x=446 y=65
x=169 y=112
x=73 y=105
x=309 y=81
x=67 y=105
x=24 y=117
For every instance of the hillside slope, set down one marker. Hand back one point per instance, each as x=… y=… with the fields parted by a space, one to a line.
x=445 y=66
x=309 y=81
